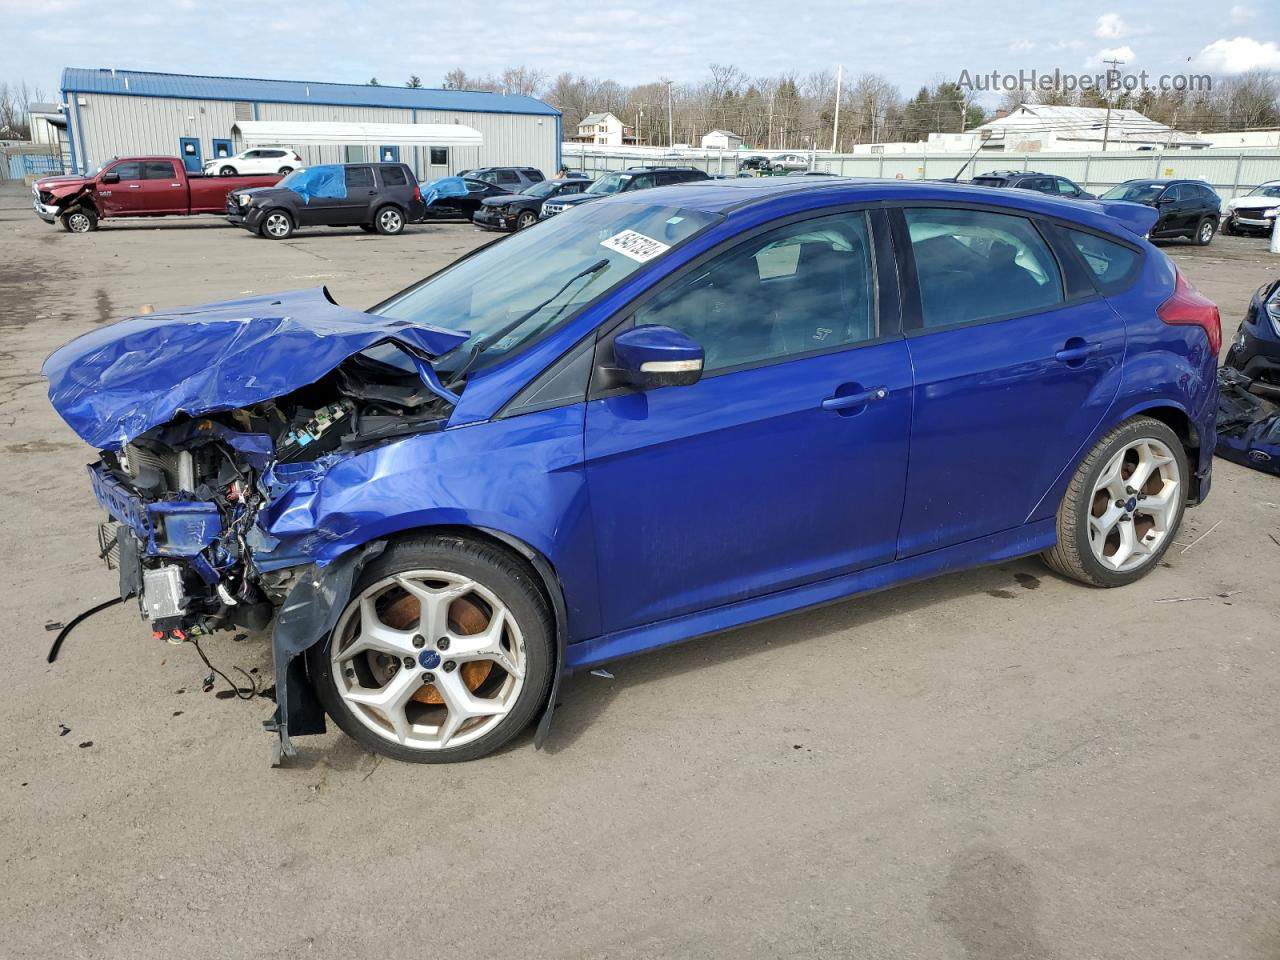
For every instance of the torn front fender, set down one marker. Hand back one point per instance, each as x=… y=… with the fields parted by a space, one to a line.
x=118 y=382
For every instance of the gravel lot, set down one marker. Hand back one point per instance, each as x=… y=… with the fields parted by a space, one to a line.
x=995 y=764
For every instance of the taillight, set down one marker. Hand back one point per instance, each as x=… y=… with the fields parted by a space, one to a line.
x=1189 y=306
x=417 y=193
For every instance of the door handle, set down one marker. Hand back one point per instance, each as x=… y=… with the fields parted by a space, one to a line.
x=860 y=399
x=134 y=186
x=1076 y=350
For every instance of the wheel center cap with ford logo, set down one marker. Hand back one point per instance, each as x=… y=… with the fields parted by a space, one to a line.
x=429 y=659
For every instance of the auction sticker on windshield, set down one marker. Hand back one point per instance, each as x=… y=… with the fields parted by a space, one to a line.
x=635 y=245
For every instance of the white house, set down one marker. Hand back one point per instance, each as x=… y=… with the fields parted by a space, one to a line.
x=1033 y=128
x=721 y=140
x=602 y=129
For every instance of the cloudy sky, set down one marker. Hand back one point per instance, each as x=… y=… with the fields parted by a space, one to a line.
x=909 y=42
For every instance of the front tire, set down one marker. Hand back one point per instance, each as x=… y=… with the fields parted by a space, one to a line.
x=1205 y=231
x=443 y=653
x=1123 y=506
x=389 y=221
x=79 y=221
x=276 y=225
x=526 y=220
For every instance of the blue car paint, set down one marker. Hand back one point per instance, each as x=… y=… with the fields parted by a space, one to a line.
x=120 y=381
x=687 y=510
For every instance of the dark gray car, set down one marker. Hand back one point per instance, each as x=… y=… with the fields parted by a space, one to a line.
x=376 y=197
x=511 y=179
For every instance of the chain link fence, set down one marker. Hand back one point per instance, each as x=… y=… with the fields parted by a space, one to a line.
x=1230 y=174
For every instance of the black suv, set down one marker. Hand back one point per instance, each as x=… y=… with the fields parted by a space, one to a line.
x=522 y=210
x=376 y=197
x=633 y=178
x=510 y=179
x=1188 y=208
x=1049 y=183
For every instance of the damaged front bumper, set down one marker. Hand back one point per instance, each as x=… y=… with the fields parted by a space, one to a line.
x=216 y=428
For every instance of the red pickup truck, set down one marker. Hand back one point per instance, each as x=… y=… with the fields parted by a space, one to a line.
x=135 y=187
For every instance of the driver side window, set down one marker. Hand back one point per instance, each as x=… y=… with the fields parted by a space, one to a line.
x=797 y=289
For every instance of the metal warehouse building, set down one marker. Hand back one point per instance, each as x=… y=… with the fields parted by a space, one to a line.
x=116 y=113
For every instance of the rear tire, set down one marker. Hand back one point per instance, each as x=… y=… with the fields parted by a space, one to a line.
x=1112 y=532
x=1205 y=230
x=276 y=225
x=389 y=220
x=285 y=171
x=227 y=171
x=372 y=708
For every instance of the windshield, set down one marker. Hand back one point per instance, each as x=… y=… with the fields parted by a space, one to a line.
x=1267 y=190
x=610 y=184
x=491 y=289
x=293 y=179
x=543 y=189
x=1135 y=192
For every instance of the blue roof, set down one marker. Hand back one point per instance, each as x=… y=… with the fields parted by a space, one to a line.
x=142 y=84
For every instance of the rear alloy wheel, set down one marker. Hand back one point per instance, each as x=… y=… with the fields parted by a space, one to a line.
x=276 y=225
x=1204 y=233
x=1123 y=506
x=442 y=654
x=227 y=171
x=526 y=219
x=389 y=221
x=79 y=221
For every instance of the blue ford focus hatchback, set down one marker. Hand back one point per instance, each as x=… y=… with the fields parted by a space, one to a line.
x=654 y=417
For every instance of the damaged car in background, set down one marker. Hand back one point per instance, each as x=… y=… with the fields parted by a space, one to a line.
x=674 y=412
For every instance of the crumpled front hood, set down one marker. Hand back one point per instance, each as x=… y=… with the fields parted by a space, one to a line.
x=118 y=382
x=1254 y=203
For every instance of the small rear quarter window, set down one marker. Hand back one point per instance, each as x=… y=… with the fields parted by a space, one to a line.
x=1112 y=264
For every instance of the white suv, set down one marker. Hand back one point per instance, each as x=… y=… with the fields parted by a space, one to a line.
x=256 y=160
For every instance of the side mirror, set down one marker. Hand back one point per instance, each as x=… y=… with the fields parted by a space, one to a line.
x=111 y=177
x=1163 y=200
x=651 y=356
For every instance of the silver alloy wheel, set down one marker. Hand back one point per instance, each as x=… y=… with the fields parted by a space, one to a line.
x=1206 y=231
x=78 y=222
x=277 y=224
x=428 y=682
x=527 y=219
x=390 y=221
x=1134 y=502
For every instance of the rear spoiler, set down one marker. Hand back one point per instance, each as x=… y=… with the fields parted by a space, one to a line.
x=1137 y=218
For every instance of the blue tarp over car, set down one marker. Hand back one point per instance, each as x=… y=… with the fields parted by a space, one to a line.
x=434 y=190
x=118 y=382
x=327 y=180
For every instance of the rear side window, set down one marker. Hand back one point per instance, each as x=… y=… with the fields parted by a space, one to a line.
x=359 y=177
x=158 y=170
x=974 y=265
x=1112 y=264
x=507 y=176
x=393 y=176
x=533 y=176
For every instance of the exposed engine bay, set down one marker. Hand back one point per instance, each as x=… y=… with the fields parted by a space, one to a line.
x=184 y=497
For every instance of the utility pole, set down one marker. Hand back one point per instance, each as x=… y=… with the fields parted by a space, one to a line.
x=671 y=136
x=1106 y=127
x=835 y=127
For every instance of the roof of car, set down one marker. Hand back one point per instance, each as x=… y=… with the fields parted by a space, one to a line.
x=740 y=194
